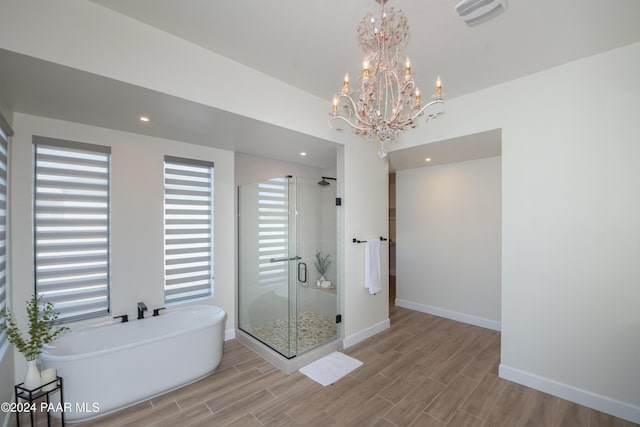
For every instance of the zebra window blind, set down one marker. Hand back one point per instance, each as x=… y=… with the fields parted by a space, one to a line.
x=72 y=227
x=273 y=232
x=188 y=229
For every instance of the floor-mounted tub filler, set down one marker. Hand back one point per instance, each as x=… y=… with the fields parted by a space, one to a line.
x=115 y=365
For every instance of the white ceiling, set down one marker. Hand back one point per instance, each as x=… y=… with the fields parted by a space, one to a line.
x=311 y=45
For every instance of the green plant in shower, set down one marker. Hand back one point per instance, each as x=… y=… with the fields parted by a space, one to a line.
x=322 y=264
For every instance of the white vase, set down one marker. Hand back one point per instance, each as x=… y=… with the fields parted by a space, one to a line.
x=32 y=377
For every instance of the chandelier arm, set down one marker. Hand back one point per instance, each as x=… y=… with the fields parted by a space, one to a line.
x=391 y=81
x=421 y=110
x=433 y=116
x=349 y=122
x=405 y=86
x=354 y=108
x=380 y=56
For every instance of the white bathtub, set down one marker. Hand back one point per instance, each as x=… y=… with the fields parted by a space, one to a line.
x=115 y=365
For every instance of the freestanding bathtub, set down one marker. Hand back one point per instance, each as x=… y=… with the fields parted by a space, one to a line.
x=114 y=365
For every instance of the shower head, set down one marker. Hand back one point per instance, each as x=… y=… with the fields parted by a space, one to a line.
x=324 y=181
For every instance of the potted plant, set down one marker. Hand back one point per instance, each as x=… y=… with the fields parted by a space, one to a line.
x=322 y=264
x=41 y=332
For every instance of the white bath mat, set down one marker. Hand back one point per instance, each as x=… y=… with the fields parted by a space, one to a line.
x=330 y=368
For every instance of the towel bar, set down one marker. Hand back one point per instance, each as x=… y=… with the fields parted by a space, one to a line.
x=382 y=239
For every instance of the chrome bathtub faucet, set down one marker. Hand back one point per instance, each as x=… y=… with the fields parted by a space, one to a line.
x=141 y=309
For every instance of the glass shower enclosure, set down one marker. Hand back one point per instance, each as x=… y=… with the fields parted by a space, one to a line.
x=287 y=263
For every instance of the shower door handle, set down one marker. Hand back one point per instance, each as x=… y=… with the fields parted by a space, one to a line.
x=295 y=258
x=300 y=279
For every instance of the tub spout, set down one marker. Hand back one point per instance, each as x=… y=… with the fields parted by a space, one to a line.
x=141 y=309
x=124 y=317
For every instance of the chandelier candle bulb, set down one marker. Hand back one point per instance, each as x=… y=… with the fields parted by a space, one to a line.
x=417 y=97
x=408 y=66
x=365 y=69
x=335 y=104
x=346 y=81
x=438 y=87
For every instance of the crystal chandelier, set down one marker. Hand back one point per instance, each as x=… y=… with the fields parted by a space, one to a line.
x=387 y=100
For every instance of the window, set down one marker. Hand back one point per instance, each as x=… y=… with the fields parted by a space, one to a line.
x=188 y=229
x=71 y=226
x=5 y=131
x=273 y=232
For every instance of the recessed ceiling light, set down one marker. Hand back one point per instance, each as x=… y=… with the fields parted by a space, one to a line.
x=144 y=119
x=303 y=154
x=428 y=159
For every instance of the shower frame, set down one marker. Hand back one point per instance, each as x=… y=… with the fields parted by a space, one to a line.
x=297 y=262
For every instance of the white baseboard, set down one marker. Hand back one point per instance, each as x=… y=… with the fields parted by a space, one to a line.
x=365 y=333
x=601 y=403
x=229 y=334
x=453 y=315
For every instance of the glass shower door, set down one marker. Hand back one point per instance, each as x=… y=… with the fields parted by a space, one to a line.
x=316 y=231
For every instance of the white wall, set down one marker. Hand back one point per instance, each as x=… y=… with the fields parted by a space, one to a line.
x=365 y=216
x=137 y=258
x=448 y=240
x=570 y=228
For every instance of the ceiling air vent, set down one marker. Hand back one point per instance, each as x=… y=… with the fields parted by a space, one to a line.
x=474 y=12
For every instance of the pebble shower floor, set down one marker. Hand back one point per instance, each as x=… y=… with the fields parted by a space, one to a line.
x=313 y=329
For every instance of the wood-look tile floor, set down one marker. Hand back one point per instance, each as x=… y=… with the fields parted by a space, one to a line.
x=423 y=371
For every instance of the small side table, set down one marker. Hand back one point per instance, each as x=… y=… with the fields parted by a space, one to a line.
x=32 y=395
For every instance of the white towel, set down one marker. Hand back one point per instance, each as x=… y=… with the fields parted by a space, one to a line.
x=372 y=266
